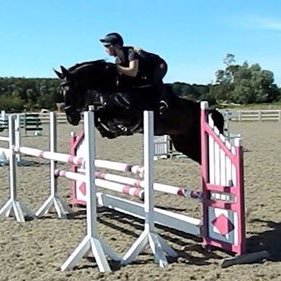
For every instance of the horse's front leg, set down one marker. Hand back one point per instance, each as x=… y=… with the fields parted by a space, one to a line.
x=103 y=129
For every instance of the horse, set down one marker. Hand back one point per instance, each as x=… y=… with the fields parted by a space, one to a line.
x=119 y=105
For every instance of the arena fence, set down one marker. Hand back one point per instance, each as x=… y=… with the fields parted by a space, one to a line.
x=252 y=115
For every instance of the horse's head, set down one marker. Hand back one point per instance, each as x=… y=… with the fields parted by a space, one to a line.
x=79 y=80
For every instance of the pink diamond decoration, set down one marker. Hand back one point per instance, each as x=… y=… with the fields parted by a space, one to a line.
x=82 y=188
x=223 y=224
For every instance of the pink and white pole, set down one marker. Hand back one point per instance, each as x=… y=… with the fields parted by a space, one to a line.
x=114 y=186
x=180 y=191
x=49 y=155
x=77 y=140
x=121 y=167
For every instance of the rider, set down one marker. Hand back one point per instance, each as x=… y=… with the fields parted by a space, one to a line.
x=144 y=67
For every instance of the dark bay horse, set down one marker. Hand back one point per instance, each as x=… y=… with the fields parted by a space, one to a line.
x=119 y=106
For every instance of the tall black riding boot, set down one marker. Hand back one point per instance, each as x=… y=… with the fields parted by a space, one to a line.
x=163 y=100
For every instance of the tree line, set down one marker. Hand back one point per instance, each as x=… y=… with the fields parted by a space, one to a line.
x=17 y=94
x=239 y=84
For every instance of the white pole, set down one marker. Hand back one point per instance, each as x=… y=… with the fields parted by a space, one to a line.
x=91 y=242
x=90 y=174
x=148 y=170
x=3 y=115
x=13 y=205
x=12 y=159
x=149 y=236
x=54 y=200
x=53 y=148
x=18 y=136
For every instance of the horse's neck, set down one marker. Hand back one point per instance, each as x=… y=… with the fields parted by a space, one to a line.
x=96 y=75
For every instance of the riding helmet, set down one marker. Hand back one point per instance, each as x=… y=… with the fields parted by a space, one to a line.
x=112 y=39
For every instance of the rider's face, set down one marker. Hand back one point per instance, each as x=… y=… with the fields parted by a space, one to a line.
x=111 y=50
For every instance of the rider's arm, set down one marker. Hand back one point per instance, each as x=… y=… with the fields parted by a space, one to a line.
x=131 y=70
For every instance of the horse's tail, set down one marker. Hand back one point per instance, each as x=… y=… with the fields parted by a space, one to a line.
x=218 y=119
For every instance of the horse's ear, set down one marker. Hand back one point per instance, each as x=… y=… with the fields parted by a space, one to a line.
x=60 y=75
x=64 y=71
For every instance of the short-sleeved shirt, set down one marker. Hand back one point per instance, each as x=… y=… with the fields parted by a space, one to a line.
x=147 y=61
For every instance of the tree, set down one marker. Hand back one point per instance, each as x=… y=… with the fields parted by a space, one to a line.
x=28 y=92
x=229 y=59
x=243 y=83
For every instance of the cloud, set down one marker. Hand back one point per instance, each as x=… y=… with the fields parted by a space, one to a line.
x=269 y=23
x=261 y=22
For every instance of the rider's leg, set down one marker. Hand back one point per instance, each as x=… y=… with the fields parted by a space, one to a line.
x=158 y=74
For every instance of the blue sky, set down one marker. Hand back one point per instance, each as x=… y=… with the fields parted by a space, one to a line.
x=192 y=35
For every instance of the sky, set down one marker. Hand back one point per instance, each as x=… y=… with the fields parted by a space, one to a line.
x=193 y=36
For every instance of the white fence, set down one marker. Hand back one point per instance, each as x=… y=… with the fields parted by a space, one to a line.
x=252 y=115
x=233 y=115
x=163 y=145
x=45 y=118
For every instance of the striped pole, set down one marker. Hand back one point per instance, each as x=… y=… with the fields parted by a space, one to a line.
x=121 y=167
x=70 y=175
x=79 y=161
x=66 y=158
x=180 y=191
x=114 y=186
x=77 y=143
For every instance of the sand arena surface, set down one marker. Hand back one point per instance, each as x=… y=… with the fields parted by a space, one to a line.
x=35 y=250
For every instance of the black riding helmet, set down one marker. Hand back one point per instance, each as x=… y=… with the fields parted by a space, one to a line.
x=112 y=39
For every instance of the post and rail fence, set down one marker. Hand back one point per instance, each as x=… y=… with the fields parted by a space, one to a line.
x=252 y=115
x=231 y=114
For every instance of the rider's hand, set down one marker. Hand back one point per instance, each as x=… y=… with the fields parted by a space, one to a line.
x=118 y=69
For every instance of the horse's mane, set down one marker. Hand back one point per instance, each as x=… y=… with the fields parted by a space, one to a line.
x=87 y=64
